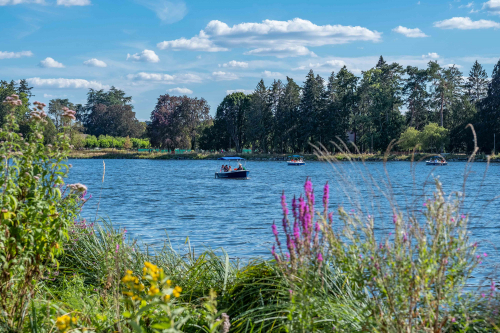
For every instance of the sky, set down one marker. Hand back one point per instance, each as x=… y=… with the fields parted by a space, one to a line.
x=211 y=48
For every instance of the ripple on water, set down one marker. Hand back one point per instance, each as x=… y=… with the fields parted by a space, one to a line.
x=183 y=199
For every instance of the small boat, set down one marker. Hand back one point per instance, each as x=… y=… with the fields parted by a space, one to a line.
x=296 y=160
x=437 y=161
x=238 y=173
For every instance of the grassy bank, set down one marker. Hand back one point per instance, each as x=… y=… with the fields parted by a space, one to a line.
x=133 y=154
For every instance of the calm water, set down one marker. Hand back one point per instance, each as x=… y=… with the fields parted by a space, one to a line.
x=182 y=199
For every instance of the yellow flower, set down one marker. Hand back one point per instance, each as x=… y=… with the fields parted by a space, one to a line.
x=166 y=298
x=62 y=323
x=175 y=293
x=74 y=320
x=178 y=289
x=169 y=282
x=153 y=290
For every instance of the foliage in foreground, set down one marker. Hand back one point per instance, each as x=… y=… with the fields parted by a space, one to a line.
x=336 y=271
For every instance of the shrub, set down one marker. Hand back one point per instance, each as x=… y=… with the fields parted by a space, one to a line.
x=91 y=141
x=36 y=210
x=414 y=275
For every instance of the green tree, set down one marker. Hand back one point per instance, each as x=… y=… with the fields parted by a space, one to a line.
x=488 y=122
x=447 y=86
x=343 y=99
x=416 y=97
x=476 y=84
x=379 y=120
x=233 y=113
x=433 y=137
x=287 y=117
x=176 y=121
x=311 y=107
x=109 y=113
x=409 y=139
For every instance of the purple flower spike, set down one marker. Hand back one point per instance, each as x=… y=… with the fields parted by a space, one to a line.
x=275 y=230
x=308 y=186
x=492 y=285
x=485 y=254
x=394 y=219
x=117 y=248
x=320 y=257
x=453 y=320
x=425 y=204
x=483 y=295
x=326 y=194
x=463 y=216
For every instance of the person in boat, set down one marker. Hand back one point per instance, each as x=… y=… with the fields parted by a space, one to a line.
x=240 y=167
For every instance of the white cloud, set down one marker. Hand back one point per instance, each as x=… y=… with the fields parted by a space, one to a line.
x=12 y=55
x=179 y=90
x=456 y=66
x=297 y=33
x=53 y=96
x=329 y=64
x=481 y=60
x=165 y=78
x=144 y=56
x=236 y=64
x=167 y=11
x=492 y=6
x=271 y=74
x=193 y=44
x=95 y=63
x=465 y=23
x=224 y=76
x=412 y=33
x=18 y=2
x=245 y=91
x=50 y=63
x=430 y=55
x=469 y=5
x=66 y=83
x=69 y=3
x=282 y=51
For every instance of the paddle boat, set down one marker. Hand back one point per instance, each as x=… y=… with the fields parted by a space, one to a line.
x=296 y=160
x=436 y=160
x=239 y=172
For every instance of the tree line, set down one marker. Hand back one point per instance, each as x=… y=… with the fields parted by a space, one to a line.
x=429 y=106
x=435 y=104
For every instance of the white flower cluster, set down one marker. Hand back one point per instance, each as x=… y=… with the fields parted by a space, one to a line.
x=68 y=114
x=13 y=100
x=78 y=187
x=38 y=113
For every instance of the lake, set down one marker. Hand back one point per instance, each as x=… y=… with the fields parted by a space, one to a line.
x=181 y=198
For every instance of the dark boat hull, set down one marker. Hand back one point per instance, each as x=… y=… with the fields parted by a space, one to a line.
x=241 y=174
x=296 y=163
x=437 y=164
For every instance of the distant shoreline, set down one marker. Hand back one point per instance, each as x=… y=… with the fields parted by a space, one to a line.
x=132 y=154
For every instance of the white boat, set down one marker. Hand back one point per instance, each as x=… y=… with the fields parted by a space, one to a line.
x=437 y=161
x=296 y=160
x=238 y=173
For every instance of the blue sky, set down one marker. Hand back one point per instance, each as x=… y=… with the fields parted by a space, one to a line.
x=209 y=48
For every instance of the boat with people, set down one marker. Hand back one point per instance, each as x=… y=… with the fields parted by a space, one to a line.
x=436 y=160
x=227 y=171
x=296 y=160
